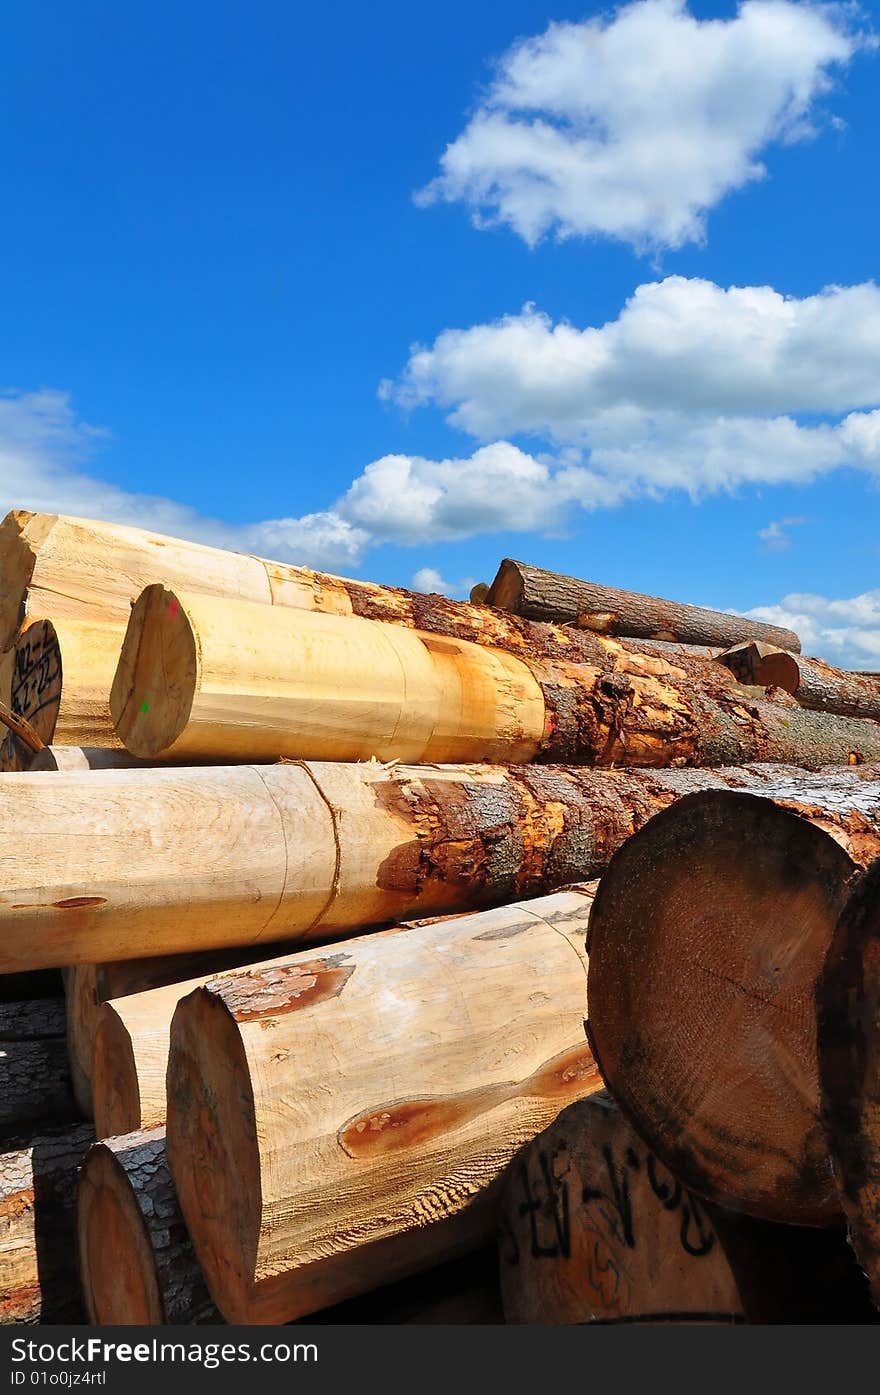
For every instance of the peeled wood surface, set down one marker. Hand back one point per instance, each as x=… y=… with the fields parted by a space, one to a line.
x=848 y=1001
x=708 y=934
x=424 y=1060
x=814 y=683
x=63 y=671
x=205 y=677
x=34 y=1076
x=594 y=1228
x=105 y=865
x=543 y=595
x=88 y=986
x=37 y=1245
x=137 y=1263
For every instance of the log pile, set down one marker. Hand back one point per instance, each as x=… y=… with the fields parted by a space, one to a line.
x=318 y=860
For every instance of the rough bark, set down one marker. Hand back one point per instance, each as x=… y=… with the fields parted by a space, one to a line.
x=814 y=683
x=37 y=1244
x=137 y=1263
x=105 y=865
x=543 y=595
x=34 y=1075
x=206 y=678
x=423 y=1061
x=708 y=935
x=848 y=1002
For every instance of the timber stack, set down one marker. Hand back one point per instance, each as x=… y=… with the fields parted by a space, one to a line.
x=310 y=889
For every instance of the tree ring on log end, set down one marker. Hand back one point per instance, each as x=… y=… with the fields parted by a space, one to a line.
x=706 y=941
x=117 y=1264
x=158 y=675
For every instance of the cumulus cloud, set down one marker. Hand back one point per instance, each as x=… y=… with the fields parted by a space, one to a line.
x=845 y=632
x=692 y=386
x=634 y=125
x=429 y=581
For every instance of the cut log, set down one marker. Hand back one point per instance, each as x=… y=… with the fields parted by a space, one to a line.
x=61 y=684
x=593 y=1228
x=137 y=1263
x=88 y=986
x=37 y=1229
x=207 y=678
x=848 y=1001
x=34 y=1075
x=814 y=683
x=708 y=934
x=423 y=1061
x=131 y=1036
x=543 y=595
x=104 y=865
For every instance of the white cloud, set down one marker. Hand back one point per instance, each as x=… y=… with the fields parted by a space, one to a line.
x=775 y=536
x=692 y=387
x=633 y=125
x=845 y=632
x=431 y=582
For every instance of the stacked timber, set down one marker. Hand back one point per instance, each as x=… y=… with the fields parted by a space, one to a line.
x=312 y=855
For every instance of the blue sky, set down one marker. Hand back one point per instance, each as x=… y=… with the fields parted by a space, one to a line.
x=599 y=339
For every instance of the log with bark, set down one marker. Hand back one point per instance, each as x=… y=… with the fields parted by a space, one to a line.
x=137 y=1263
x=207 y=678
x=543 y=595
x=105 y=865
x=37 y=1228
x=593 y=1228
x=423 y=1061
x=708 y=935
x=63 y=672
x=35 y=1086
x=848 y=1004
x=814 y=683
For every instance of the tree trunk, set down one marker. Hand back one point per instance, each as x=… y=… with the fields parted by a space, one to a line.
x=88 y=986
x=545 y=595
x=37 y=1246
x=61 y=684
x=34 y=1075
x=424 y=1060
x=708 y=935
x=814 y=683
x=352 y=690
x=848 y=1001
x=593 y=1228
x=131 y=1036
x=137 y=1263
x=116 y=864
x=214 y=678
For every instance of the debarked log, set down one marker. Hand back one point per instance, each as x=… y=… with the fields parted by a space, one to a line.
x=377 y=1090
